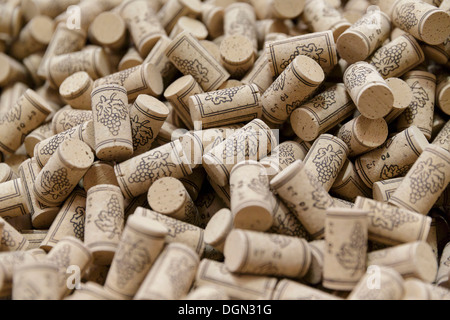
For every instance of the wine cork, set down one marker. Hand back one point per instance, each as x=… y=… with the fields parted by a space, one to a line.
x=397 y=57
x=191 y=25
x=240 y=287
x=290 y=90
x=249 y=252
x=394 y=158
x=76 y=90
x=91 y=291
x=210 y=138
x=364 y=36
x=222 y=192
x=225 y=107
x=424 y=182
x=32 y=63
x=442 y=276
x=237 y=55
x=402 y=98
x=173 y=10
x=443 y=138
x=45 y=149
x=130 y=59
x=34 y=237
x=11 y=71
x=304 y=195
x=240 y=19
x=35 y=281
x=218 y=229
x=363 y=134
x=422 y=20
x=208 y=204
x=206 y=293
x=214 y=50
x=355 y=9
x=158 y=58
x=231 y=84
x=67 y=119
x=11 y=239
x=10 y=95
x=415 y=259
x=212 y=16
x=389 y=285
x=418 y=290
x=62 y=172
x=252 y=142
x=348 y=185
x=315 y=272
x=13 y=199
x=443 y=93
x=322 y=113
x=109 y=30
x=285 y=9
x=112 y=126
x=141 y=242
x=6 y=173
x=391 y=225
x=193 y=182
x=178 y=93
x=291 y=290
x=11 y=19
x=193 y=148
x=420 y=111
x=383 y=190
x=37 y=135
x=259 y=74
x=190 y=57
x=172 y=274
x=326 y=158
x=49 y=8
x=178 y=231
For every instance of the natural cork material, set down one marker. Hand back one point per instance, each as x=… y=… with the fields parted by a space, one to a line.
x=76 y=90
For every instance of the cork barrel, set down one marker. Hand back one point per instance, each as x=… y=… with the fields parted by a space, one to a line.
x=76 y=90
x=348 y=185
x=212 y=16
x=11 y=71
x=6 y=173
x=109 y=30
x=206 y=293
x=443 y=137
x=292 y=290
x=173 y=10
x=237 y=55
x=443 y=94
x=130 y=59
x=240 y=18
x=382 y=190
x=11 y=19
x=285 y=9
x=35 y=281
x=193 y=149
x=402 y=98
x=11 y=239
x=259 y=74
x=66 y=119
x=32 y=63
x=158 y=58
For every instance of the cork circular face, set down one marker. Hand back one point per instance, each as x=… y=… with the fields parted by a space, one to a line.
x=76 y=154
x=435 y=28
x=103 y=67
x=436 y=54
x=147 y=226
x=75 y=84
x=236 y=49
x=166 y=195
x=116 y=152
x=444 y=99
x=370 y=133
x=179 y=85
x=218 y=227
x=402 y=92
x=153 y=79
x=287 y=9
x=108 y=28
x=41 y=28
x=304 y=124
x=215 y=22
x=152 y=105
x=418 y=138
x=375 y=101
x=253 y=217
x=235 y=250
x=5 y=68
x=425 y=262
x=339 y=29
x=308 y=69
x=195 y=27
x=37 y=99
x=352 y=47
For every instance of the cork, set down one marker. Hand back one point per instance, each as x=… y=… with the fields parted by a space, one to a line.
x=46 y=148
x=363 y=134
x=141 y=242
x=171 y=276
x=364 y=36
x=91 y=291
x=391 y=225
x=420 y=111
x=402 y=98
x=309 y=201
x=252 y=142
x=259 y=74
x=34 y=238
x=13 y=200
x=382 y=190
x=348 y=185
x=225 y=107
x=42 y=216
x=240 y=18
x=130 y=59
x=66 y=119
x=424 y=182
x=190 y=57
x=218 y=229
x=326 y=158
x=11 y=239
x=397 y=57
x=210 y=138
x=321 y=113
x=394 y=158
x=158 y=58
x=62 y=172
x=315 y=272
x=109 y=30
x=173 y=10
x=76 y=90
x=193 y=148
x=11 y=19
x=51 y=95
x=285 y=9
x=6 y=173
x=291 y=290
x=240 y=287
x=178 y=231
x=390 y=285
x=214 y=50
x=35 y=281
x=10 y=95
x=222 y=192
x=191 y=25
x=206 y=293
x=415 y=259
x=178 y=93
x=31 y=64
x=194 y=182
x=32 y=8
x=290 y=90
x=212 y=16
x=443 y=93
x=237 y=55
x=355 y=9
x=443 y=137
x=442 y=276
x=208 y=204
x=417 y=290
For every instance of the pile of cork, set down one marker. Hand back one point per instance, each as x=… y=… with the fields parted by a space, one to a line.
x=224 y=149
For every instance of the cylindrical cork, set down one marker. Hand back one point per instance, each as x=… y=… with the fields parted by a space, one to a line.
x=34 y=237
x=251 y=252
x=348 y=185
x=231 y=84
x=91 y=291
x=364 y=36
x=291 y=290
x=382 y=190
x=109 y=30
x=141 y=242
x=322 y=113
x=421 y=109
x=69 y=221
x=31 y=8
x=193 y=182
x=113 y=137
x=250 y=202
x=193 y=149
x=290 y=90
x=11 y=239
x=161 y=63
x=178 y=231
x=240 y=18
x=210 y=138
x=212 y=16
x=425 y=181
x=178 y=93
x=442 y=277
x=245 y=287
x=422 y=20
x=191 y=25
x=315 y=273
x=104 y=222
x=10 y=95
x=11 y=71
x=10 y=19
x=36 y=281
x=419 y=290
x=443 y=137
x=397 y=57
x=415 y=259
x=402 y=98
x=130 y=59
x=346 y=248
x=237 y=55
x=253 y=142
x=259 y=74
x=6 y=173
x=391 y=225
x=173 y=10
x=218 y=229
x=13 y=199
x=379 y=283
x=32 y=63
x=206 y=293
x=282 y=9
x=190 y=57
x=225 y=107
x=172 y=274
x=62 y=172
x=443 y=93
x=370 y=92
x=76 y=90
x=28 y=113
x=304 y=195
x=363 y=134
x=66 y=119
x=101 y=172
x=393 y=159
x=321 y=16
x=214 y=50
x=326 y=158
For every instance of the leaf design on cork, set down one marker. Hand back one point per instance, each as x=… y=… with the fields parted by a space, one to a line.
x=194 y=68
x=7 y=239
x=405 y=17
x=420 y=99
x=260 y=185
x=174 y=226
x=356 y=76
x=54 y=142
x=352 y=254
x=286 y=155
x=178 y=269
x=222 y=96
x=387 y=217
x=279 y=83
x=62 y=257
x=320 y=196
x=152 y=167
x=77 y=222
x=291 y=107
x=74 y=118
x=55 y=184
x=13 y=114
x=387 y=59
x=328 y=163
x=111 y=220
x=111 y=112
x=289 y=225
x=310 y=50
x=393 y=171
x=141 y=131
x=280 y=241
x=246 y=144
x=427 y=178
x=325 y=99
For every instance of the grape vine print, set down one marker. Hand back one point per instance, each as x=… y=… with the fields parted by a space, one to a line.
x=387 y=59
x=194 y=68
x=328 y=163
x=111 y=112
x=152 y=167
x=426 y=178
x=111 y=220
x=56 y=184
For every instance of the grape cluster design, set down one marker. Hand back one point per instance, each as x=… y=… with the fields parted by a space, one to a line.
x=387 y=217
x=56 y=184
x=78 y=222
x=405 y=17
x=327 y=163
x=194 y=68
x=7 y=239
x=426 y=178
x=310 y=50
x=356 y=77
x=245 y=144
x=152 y=167
x=111 y=112
x=132 y=258
x=222 y=96
x=387 y=59
x=53 y=143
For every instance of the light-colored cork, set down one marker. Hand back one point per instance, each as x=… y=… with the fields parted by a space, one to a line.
x=32 y=63
x=402 y=98
x=443 y=137
x=10 y=95
x=173 y=10
x=443 y=93
x=36 y=281
x=391 y=225
x=442 y=277
x=69 y=118
x=158 y=58
x=108 y=29
x=355 y=9
x=223 y=192
x=206 y=293
x=382 y=190
x=425 y=181
x=6 y=173
x=31 y=8
x=11 y=19
x=285 y=9
x=348 y=185
x=237 y=55
x=291 y=290
x=231 y=84
x=210 y=138
x=91 y=291
x=214 y=50
x=191 y=25
x=193 y=148
x=76 y=90
x=130 y=59
x=419 y=290
x=208 y=204
x=141 y=242
x=34 y=238
x=218 y=229
x=290 y=90
x=240 y=18
x=259 y=74
x=394 y=158
x=11 y=239
x=212 y=16
x=315 y=272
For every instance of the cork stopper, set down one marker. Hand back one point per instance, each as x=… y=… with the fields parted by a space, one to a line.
x=146 y=226
x=108 y=29
x=76 y=90
x=76 y=154
x=101 y=172
x=443 y=95
x=167 y=195
x=308 y=69
x=41 y=29
x=371 y=132
x=218 y=228
x=195 y=27
x=131 y=59
x=402 y=97
x=6 y=173
x=289 y=9
x=236 y=50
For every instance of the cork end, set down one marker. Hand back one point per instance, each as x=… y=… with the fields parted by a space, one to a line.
x=425 y=262
x=76 y=154
x=153 y=79
x=253 y=217
x=418 y=138
x=108 y=28
x=41 y=28
x=218 y=227
x=371 y=133
x=287 y=9
x=309 y=70
x=178 y=86
x=402 y=93
x=236 y=50
x=352 y=47
x=167 y=195
x=44 y=218
x=286 y=175
x=196 y=27
x=435 y=28
x=376 y=101
x=443 y=99
x=304 y=124
x=235 y=250
x=75 y=85
x=147 y=226
x=152 y=105
x=102 y=63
